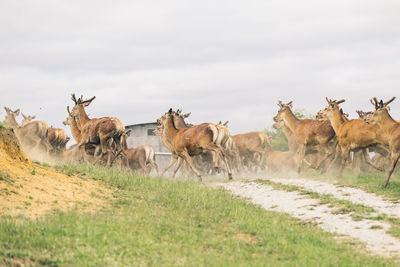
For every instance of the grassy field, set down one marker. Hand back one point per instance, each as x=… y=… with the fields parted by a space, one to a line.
x=159 y=222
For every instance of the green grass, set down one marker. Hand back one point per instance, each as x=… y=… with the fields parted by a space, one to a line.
x=358 y=211
x=5 y=126
x=159 y=222
x=370 y=182
x=342 y=206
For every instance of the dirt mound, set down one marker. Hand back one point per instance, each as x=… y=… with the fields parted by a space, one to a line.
x=32 y=190
x=10 y=149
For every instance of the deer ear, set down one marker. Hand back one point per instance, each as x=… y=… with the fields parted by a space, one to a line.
x=17 y=112
x=170 y=111
x=187 y=115
x=128 y=132
x=23 y=115
x=33 y=117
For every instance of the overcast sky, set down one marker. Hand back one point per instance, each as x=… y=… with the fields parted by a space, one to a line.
x=220 y=60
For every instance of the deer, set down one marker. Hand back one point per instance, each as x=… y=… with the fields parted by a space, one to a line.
x=186 y=142
x=352 y=135
x=98 y=131
x=202 y=160
x=56 y=137
x=252 y=146
x=381 y=151
x=139 y=158
x=74 y=153
x=32 y=134
x=390 y=131
x=309 y=134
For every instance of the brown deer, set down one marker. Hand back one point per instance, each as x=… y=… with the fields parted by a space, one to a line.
x=139 y=158
x=352 y=135
x=99 y=131
x=195 y=140
x=309 y=133
x=390 y=131
x=32 y=134
x=205 y=160
x=74 y=153
x=252 y=146
x=56 y=137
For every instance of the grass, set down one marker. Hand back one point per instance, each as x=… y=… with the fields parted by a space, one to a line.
x=358 y=211
x=370 y=182
x=159 y=222
x=342 y=206
x=5 y=126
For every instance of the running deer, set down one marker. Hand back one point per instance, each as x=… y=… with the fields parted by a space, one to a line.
x=352 y=135
x=32 y=134
x=186 y=142
x=308 y=133
x=139 y=158
x=390 y=131
x=98 y=131
x=252 y=146
x=56 y=137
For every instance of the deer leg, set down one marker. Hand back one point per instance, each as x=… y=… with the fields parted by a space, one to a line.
x=300 y=153
x=369 y=162
x=174 y=158
x=394 y=159
x=82 y=152
x=189 y=161
x=154 y=164
x=327 y=153
x=228 y=167
x=177 y=166
x=345 y=157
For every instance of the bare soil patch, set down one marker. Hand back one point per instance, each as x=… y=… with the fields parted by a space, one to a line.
x=33 y=190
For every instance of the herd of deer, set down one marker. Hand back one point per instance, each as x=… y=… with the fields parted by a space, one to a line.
x=318 y=143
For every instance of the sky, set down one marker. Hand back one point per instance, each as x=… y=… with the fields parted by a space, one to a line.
x=220 y=60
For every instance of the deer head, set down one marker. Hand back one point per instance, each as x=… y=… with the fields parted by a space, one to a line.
x=10 y=117
x=333 y=105
x=27 y=119
x=282 y=109
x=80 y=105
x=381 y=110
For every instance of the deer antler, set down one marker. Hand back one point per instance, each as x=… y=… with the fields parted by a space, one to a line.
x=69 y=112
x=74 y=99
x=388 y=102
x=87 y=102
x=376 y=104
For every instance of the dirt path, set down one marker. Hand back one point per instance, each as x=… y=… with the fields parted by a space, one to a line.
x=371 y=233
x=353 y=195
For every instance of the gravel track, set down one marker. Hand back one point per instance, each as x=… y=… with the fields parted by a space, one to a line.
x=371 y=233
x=353 y=195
